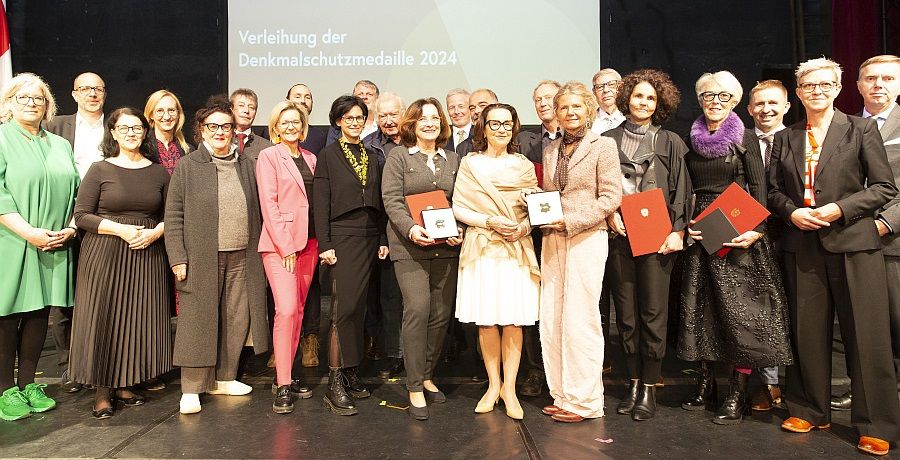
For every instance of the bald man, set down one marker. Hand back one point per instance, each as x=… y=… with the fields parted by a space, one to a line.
x=478 y=100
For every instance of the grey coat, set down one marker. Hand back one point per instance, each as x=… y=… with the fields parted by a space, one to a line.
x=192 y=217
x=890 y=133
x=405 y=174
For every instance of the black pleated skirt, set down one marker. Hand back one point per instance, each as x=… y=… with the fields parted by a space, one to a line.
x=121 y=334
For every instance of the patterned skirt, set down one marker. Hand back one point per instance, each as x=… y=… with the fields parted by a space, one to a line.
x=733 y=308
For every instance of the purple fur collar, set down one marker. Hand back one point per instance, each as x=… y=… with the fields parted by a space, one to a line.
x=718 y=143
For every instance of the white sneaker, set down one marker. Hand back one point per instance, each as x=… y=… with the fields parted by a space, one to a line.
x=190 y=403
x=231 y=388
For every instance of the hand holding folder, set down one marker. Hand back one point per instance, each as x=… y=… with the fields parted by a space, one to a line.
x=647 y=221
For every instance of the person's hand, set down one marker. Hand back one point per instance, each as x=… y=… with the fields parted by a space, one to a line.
x=456 y=240
x=40 y=237
x=501 y=225
x=130 y=233
x=829 y=213
x=881 y=227
x=744 y=240
x=673 y=243
x=804 y=219
x=695 y=235
x=558 y=226
x=180 y=271
x=289 y=262
x=328 y=257
x=145 y=238
x=383 y=252
x=419 y=236
x=615 y=223
x=59 y=239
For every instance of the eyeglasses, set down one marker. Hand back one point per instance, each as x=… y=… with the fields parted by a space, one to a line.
x=85 y=90
x=825 y=86
x=123 y=129
x=495 y=125
x=169 y=112
x=213 y=127
x=36 y=100
x=389 y=116
x=708 y=96
x=431 y=120
x=354 y=120
x=612 y=84
x=294 y=123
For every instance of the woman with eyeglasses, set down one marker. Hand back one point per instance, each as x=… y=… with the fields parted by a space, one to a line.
x=350 y=227
x=121 y=331
x=584 y=168
x=165 y=140
x=498 y=284
x=733 y=306
x=284 y=174
x=213 y=225
x=38 y=181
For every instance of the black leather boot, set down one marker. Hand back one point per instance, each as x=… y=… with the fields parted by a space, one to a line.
x=645 y=407
x=284 y=400
x=336 y=397
x=354 y=384
x=705 y=397
x=735 y=406
x=627 y=403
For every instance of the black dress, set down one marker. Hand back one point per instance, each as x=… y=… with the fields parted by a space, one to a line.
x=121 y=333
x=733 y=308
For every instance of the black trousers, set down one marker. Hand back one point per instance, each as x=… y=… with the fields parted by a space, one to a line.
x=639 y=288
x=351 y=274
x=429 y=289
x=892 y=264
x=854 y=285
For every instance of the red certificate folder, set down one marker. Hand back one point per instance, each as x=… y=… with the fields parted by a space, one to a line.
x=421 y=201
x=647 y=221
x=744 y=212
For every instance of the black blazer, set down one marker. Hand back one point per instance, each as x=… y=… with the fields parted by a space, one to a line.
x=530 y=145
x=853 y=172
x=64 y=126
x=315 y=139
x=450 y=145
x=337 y=192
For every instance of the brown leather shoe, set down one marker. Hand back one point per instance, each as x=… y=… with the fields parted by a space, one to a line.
x=550 y=410
x=798 y=425
x=873 y=446
x=567 y=417
x=765 y=398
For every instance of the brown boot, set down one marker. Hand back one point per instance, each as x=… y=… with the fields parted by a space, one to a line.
x=765 y=398
x=309 y=345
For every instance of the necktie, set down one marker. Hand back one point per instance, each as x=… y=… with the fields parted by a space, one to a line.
x=769 y=139
x=242 y=138
x=460 y=136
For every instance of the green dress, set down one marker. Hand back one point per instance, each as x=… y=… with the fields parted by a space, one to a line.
x=38 y=180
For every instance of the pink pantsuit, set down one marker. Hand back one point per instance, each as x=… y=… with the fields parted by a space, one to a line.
x=285 y=210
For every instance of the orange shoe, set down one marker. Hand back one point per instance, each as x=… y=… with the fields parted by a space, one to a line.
x=550 y=410
x=873 y=446
x=798 y=425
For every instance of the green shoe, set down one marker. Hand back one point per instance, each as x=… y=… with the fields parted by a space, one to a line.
x=14 y=405
x=38 y=401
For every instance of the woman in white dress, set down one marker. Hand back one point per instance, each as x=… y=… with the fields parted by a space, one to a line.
x=499 y=279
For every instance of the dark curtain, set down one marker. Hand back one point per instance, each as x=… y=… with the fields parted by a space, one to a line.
x=856 y=36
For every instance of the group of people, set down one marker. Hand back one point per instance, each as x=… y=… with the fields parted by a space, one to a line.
x=121 y=217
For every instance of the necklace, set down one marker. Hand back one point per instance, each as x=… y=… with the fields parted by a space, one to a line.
x=362 y=166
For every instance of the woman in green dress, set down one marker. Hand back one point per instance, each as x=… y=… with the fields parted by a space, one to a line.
x=38 y=181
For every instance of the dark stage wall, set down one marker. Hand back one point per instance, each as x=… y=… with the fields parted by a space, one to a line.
x=141 y=46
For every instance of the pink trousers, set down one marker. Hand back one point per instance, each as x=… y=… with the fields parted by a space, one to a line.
x=289 y=290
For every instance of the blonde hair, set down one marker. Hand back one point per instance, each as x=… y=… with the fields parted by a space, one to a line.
x=768 y=84
x=150 y=107
x=577 y=88
x=723 y=78
x=821 y=63
x=881 y=59
x=279 y=109
x=17 y=83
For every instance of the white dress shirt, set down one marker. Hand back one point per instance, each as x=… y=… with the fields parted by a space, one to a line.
x=465 y=134
x=606 y=121
x=429 y=158
x=88 y=137
x=762 y=143
x=880 y=118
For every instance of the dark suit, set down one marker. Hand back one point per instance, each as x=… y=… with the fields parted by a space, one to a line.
x=63 y=125
x=450 y=142
x=253 y=144
x=531 y=146
x=464 y=147
x=315 y=139
x=838 y=268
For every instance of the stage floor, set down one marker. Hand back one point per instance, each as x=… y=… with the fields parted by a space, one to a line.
x=246 y=427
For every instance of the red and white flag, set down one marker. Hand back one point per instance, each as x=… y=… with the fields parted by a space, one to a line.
x=5 y=54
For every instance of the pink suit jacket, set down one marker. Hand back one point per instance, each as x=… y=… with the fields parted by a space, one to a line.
x=283 y=200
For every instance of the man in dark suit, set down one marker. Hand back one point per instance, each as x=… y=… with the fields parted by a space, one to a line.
x=879 y=85
x=829 y=177
x=767 y=105
x=315 y=138
x=83 y=129
x=460 y=117
x=478 y=100
x=243 y=106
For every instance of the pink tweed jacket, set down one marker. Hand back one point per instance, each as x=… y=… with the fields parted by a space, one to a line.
x=594 y=189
